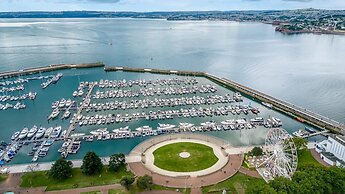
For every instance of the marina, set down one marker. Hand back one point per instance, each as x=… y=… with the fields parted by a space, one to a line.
x=113 y=109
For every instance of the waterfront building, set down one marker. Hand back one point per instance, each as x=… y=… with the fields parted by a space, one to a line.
x=332 y=150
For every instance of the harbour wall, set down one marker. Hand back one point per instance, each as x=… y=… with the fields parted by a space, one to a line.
x=49 y=68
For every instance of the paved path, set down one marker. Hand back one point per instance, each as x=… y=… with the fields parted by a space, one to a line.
x=149 y=159
x=235 y=161
x=317 y=157
x=227 y=167
x=252 y=173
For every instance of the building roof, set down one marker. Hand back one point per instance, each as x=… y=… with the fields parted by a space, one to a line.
x=330 y=156
x=339 y=138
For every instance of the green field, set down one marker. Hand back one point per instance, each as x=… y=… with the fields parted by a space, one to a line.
x=235 y=184
x=201 y=157
x=78 y=179
x=3 y=177
x=91 y=192
x=305 y=158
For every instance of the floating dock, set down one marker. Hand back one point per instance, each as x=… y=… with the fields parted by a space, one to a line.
x=48 y=68
x=289 y=109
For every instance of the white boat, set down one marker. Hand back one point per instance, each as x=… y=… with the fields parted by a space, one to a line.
x=165 y=126
x=23 y=133
x=15 y=135
x=68 y=103
x=56 y=132
x=228 y=122
x=77 y=134
x=32 y=131
x=101 y=131
x=268 y=105
x=144 y=128
x=54 y=114
x=48 y=132
x=66 y=115
x=121 y=129
x=40 y=132
x=186 y=125
x=62 y=103
x=35 y=158
x=63 y=133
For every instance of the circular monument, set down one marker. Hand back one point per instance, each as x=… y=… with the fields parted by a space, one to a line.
x=184 y=154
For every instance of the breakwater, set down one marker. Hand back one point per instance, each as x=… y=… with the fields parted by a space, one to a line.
x=48 y=68
x=287 y=108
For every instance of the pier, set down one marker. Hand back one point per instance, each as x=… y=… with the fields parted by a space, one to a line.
x=48 y=68
x=287 y=108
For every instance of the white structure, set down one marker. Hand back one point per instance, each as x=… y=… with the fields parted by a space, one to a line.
x=332 y=150
x=281 y=155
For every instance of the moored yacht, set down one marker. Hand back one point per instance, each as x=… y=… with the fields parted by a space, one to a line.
x=23 y=133
x=40 y=132
x=32 y=131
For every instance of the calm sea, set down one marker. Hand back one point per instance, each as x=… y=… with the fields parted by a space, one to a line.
x=307 y=70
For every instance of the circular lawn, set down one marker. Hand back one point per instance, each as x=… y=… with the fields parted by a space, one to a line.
x=169 y=158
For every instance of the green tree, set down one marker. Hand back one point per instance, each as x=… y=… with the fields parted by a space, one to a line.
x=144 y=182
x=336 y=176
x=116 y=162
x=260 y=188
x=283 y=185
x=127 y=181
x=61 y=169
x=300 y=143
x=92 y=164
x=256 y=151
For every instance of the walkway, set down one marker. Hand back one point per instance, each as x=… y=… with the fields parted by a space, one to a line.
x=317 y=157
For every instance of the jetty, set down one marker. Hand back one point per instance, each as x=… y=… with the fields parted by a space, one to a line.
x=53 y=67
x=287 y=108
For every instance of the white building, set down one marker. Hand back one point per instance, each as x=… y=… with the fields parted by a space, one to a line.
x=332 y=150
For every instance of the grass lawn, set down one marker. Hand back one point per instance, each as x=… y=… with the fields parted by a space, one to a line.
x=3 y=177
x=134 y=189
x=91 y=192
x=235 y=184
x=78 y=179
x=201 y=157
x=305 y=158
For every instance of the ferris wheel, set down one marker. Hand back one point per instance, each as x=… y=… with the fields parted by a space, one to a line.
x=281 y=154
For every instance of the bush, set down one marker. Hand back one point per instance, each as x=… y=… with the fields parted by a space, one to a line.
x=144 y=182
x=127 y=181
x=256 y=151
x=116 y=162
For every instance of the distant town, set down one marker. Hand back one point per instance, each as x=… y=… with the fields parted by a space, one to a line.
x=286 y=21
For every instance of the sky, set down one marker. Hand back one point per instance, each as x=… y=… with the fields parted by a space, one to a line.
x=165 y=5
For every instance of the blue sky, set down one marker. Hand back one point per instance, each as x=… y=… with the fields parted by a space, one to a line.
x=165 y=5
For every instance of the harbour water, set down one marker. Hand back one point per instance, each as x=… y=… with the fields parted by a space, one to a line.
x=294 y=68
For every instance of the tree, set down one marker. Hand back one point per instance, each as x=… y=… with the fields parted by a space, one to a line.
x=260 y=188
x=283 y=185
x=300 y=143
x=61 y=169
x=92 y=164
x=256 y=151
x=116 y=161
x=126 y=181
x=144 y=182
